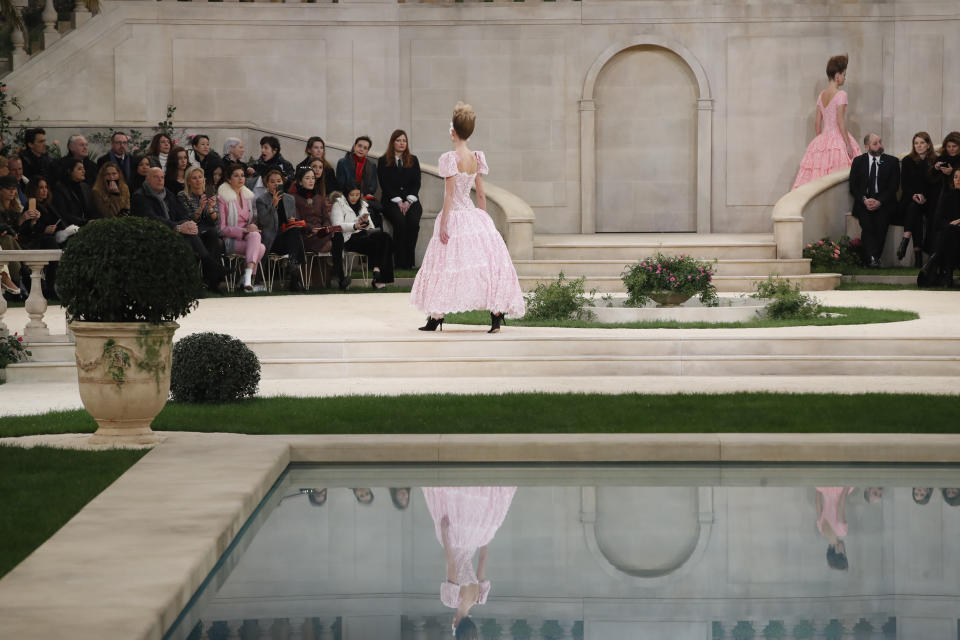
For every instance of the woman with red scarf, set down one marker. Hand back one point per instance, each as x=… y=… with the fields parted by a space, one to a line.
x=356 y=167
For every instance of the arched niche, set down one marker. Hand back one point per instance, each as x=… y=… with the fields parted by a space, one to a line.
x=588 y=130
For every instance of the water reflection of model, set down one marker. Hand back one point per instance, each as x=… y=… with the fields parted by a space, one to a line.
x=466 y=519
x=832 y=523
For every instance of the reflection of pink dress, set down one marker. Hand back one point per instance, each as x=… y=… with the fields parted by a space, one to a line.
x=475 y=514
x=473 y=270
x=831 y=504
x=827 y=152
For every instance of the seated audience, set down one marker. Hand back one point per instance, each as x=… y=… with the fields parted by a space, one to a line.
x=214 y=176
x=233 y=154
x=356 y=168
x=11 y=215
x=118 y=153
x=918 y=202
x=874 y=181
x=141 y=167
x=15 y=165
x=948 y=161
x=317 y=150
x=77 y=147
x=159 y=148
x=270 y=158
x=36 y=160
x=111 y=196
x=155 y=202
x=360 y=236
x=399 y=174
x=277 y=211
x=6 y=282
x=202 y=208
x=176 y=170
x=946 y=254
x=73 y=195
x=200 y=153
x=40 y=229
x=4 y=166
x=237 y=212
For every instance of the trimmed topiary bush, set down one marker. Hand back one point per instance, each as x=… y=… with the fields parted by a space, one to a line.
x=128 y=270
x=213 y=367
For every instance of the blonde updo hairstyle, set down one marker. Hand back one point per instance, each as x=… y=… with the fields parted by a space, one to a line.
x=464 y=118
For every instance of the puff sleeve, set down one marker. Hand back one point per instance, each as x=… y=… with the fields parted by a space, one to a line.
x=484 y=592
x=448 y=164
x=450 y=594
x=841 y=98
x=482 y=164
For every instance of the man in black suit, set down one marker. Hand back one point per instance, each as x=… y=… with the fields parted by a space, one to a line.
x=874 y=180
x=118 y=153
x=158 y=203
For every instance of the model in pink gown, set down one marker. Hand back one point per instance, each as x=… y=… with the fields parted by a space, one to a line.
x=827 y=152
x=831 y=508
x=473 y=270
x=474 y=515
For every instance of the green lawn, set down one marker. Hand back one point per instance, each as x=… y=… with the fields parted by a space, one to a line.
x=43 y=488
x=851 y=315
x=539 y=413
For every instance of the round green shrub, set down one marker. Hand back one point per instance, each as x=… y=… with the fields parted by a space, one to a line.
x=213 y=367
x=128 y=270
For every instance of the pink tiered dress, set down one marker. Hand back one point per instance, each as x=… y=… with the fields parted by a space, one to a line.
x=475 y=514
x=827 y=152
x=473 y=270
x=830 y=513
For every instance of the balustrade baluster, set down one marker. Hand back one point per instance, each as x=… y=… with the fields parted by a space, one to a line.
x=50 y=33
x=233 y=629
x=36 y=304
x=419 y=628
x=80 y=13
x=18 y=37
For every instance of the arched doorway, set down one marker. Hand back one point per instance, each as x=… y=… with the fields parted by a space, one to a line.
x=645 y=125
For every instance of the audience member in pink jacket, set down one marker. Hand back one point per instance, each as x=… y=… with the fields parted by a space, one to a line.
x=240 y=235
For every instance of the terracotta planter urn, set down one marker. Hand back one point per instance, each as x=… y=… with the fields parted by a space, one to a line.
x=124 y=374
x=669 y=298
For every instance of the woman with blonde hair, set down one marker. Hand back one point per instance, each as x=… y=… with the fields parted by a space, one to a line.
x=111 y=196
x=466 y=265
x=833 y=148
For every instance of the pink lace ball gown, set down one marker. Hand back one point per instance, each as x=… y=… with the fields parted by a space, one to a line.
x=827 y=152
x=475 y=514
x=473 y=270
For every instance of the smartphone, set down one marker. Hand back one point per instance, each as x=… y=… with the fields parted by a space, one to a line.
x=32 y=204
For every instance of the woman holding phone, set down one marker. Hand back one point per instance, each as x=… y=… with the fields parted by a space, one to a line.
x=360 y=235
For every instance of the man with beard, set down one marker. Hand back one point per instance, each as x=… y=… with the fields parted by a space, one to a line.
x=874 y=180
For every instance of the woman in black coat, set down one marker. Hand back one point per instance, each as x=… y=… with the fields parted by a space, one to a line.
x=918 y=204
x=73 y=197
x=399 y=174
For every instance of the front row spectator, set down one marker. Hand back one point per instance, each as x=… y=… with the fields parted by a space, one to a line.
x=110 y=193
x=73 y=195
x=40 y=232
x=946 y=255
x=312 y=208
x=317 y=150
x=154 y=201
x=874 y=181
x=357 y=168
x=11 y=213
x=202 y=209
x=360 y=235
x=141 y=167
x=237 y=212
x=282 y=230
x=399 y=173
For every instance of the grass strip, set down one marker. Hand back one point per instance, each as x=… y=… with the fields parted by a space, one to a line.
x=43 y=488
x=850 y=315
x=540 y=413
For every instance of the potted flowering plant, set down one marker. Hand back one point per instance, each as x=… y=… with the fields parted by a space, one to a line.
x=11 y=351
x=670 y=281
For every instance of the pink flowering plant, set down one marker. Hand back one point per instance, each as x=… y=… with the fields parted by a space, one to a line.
x=827 y=256
x=670 y=274
x=12 y=350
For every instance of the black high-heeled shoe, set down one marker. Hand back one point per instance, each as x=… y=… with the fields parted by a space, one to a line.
x=432 y=324
x=495 y=322
x=902 y=249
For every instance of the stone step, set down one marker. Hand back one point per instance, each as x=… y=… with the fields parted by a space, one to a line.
x=51 y=351
x=636 y=246
x=727 y=267
x=730 y=283
x=468 y=352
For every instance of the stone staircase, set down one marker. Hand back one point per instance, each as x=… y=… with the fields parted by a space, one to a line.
x=743 y=259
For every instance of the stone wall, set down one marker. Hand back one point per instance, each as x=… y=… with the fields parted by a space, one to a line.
x=627 y=115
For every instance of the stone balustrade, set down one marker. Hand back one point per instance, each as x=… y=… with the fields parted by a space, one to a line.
x=810 y=212
x=36 y=305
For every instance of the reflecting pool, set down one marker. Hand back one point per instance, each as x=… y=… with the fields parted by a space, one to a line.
x=595 y=552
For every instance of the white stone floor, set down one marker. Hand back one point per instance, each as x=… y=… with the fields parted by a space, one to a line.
x=390 y=315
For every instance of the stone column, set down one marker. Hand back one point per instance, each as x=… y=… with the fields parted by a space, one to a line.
x=18 y=38
x=588 y=166
x=704 y=164
x=80 y=13
x=36 y=304
x=50 y=33
x=419 y=630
